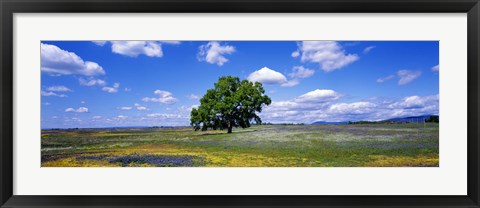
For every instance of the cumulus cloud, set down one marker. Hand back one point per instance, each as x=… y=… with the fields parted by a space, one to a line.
x=165 y=115
x=140 y=107
x=293 y=111
x=368 y=49
x=415 y=101
x=193 y=97
x=49 y=94
x=165 y=97
x=187 y=109
x=136 y=106
x=384 y=79
x=436 y=68
x=267 y=76
x=91 y=82
x=135 y=48
x=291 y=83
x=318 y=96
x=125 y=108
x=121 y=117
x=301 y=72
x=56 y=61
x=174 y=42
x=214 y=53
x=112 y=89
x=295 y=54
x=407 y=76
x=59 y=88
x=100 y=43
x=352 y=108
x=78 y=110
x=328 y=54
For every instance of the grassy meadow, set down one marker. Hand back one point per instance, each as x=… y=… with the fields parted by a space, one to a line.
x=359 y=145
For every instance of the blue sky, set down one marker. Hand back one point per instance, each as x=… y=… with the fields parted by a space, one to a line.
x=156 y=83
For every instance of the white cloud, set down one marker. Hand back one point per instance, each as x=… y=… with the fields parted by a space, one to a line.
x=78 y=110
x=318 y=96
x=193 y=97
x=112 y=89
x=384 y=79
x=295 y=54
x=162 y=93
x=92 y=82
x=267 y=76
x=97 y=117
x=187 y=108
x=121 y=117
x=174 y=42
x=140 y=107
x=164 y=97
x=55 y=61
x=58 y=89
x=291 y=83
x=213 y=52
x=125 y=108
x=313 y=103
x=352 y=108
x=135 y=48
x=436 y=68
x=293 y=111
x=407 y=76
x=368 y=49
x=46 y=103
x=51 y=91
x=128 y=89
x=415 y=102
x=301 y=72
x=100 y=43
x=328 y=54
x=49 y=94
x=82 y=102
x=164 y=115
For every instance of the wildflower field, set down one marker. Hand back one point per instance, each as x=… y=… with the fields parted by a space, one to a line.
x=359 y=145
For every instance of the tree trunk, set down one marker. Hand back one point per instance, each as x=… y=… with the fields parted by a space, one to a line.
x=229 y=127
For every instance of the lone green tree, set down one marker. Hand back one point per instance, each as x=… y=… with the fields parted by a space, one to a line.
x=231 y=103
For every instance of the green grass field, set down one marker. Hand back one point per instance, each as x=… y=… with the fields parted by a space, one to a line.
x=360 y=145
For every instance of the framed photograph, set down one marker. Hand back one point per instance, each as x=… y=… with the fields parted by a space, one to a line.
x=239 y=104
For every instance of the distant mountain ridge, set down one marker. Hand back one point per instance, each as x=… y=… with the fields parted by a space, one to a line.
x=412 y=119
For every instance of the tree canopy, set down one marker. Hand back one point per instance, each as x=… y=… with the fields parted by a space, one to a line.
x=231 y=103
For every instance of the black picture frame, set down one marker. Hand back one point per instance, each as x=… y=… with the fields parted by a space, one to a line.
x=10 y=7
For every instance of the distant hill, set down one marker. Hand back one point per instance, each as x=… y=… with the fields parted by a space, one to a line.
x=411 y=119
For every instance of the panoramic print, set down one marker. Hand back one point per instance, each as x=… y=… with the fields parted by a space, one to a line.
x=214 y=103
